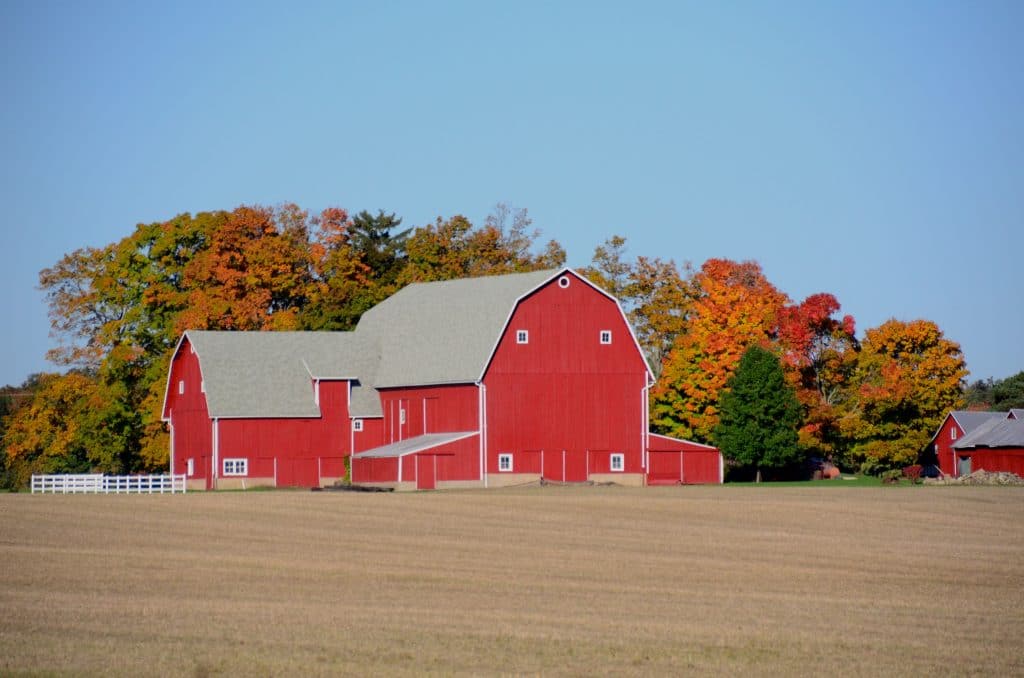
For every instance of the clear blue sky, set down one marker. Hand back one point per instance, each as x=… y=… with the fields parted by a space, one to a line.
x=874 y=150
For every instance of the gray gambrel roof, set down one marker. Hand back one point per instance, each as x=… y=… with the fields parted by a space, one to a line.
x=427 y=333
x=443 y=332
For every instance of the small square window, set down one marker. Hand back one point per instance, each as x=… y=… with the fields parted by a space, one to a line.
x=357 y=424
x=606 y=336
x=505 y=463
x=236 y=467
x=181 y=387
x=522 y=337
x=618 y=462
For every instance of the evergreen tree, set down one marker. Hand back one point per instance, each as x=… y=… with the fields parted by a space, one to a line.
x=759 y=414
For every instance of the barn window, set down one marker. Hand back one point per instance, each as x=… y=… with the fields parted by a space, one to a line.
x=952 y=433
x=505 y=462
x=522 y=337
x=606 y=336
x=236 y=467
x=191 y=467
x=563 y=282
x=618 y=462
x=401 y=416
x=181 y=387
x=357 y=424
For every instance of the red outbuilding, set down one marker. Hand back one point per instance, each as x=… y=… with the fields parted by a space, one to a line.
x=481 y=382
x=969 y=441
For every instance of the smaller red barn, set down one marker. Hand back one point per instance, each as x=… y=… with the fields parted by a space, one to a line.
x=996 y=445
x=672 y=461
x=954 y=427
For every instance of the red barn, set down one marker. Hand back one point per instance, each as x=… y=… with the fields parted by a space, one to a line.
x=996 y=445
x=969 y=441
x=486 y=382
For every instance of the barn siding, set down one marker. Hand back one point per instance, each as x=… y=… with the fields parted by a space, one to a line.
x=1009 y=459
x=564 y=393
x=675 y=461
x=944 y=445
x=189 y=417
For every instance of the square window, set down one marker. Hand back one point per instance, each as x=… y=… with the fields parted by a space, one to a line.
x=181 y=387
x=357 y=424
x=505 y=463
x=522 y=337
x=236 y=467
x=606 y=336
x=618 y=462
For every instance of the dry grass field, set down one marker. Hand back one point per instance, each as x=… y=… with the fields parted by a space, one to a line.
x=604 y=580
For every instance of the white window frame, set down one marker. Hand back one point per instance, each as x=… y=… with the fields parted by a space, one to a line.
x=522 y=336
x=235 y=467
x=564 y=282
x=505 y=459
x=190 y=467
x=952 y=433
x=605 y=337
x=401 y=416
x=357 y=425
x=620 y=458
x=181 y=387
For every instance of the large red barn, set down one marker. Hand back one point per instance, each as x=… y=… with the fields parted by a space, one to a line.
x=486 y=382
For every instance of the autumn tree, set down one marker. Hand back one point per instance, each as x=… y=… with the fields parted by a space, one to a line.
x=908 y=376
x=734 y=306
x=758 y=415
x=454 y=248
x=819 y=353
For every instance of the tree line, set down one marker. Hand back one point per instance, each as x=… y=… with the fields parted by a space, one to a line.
x=117 y=311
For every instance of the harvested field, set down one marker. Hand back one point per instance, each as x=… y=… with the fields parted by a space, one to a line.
x=554 y=580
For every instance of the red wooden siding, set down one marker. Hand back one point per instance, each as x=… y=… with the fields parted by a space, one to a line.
x=192 y=431
x=429 y=409
x=674 y=461
x=564 y=392
x=1009 y=459
x=944 y=445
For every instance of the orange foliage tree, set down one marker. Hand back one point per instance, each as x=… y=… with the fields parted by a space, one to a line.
x=734 y=307
x=908 y=376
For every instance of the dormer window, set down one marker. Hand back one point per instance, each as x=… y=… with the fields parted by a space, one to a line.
x=522 y=337
x=606 y=336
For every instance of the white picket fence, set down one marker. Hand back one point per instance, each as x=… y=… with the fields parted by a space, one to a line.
x=97 y=483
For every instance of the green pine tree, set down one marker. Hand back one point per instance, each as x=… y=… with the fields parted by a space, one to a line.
x=759 y=415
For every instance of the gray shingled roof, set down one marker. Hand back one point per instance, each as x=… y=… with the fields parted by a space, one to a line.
x=1017 y=413
x=997 y=432
x=269 y=374
x=414 y=445
x=427 y=333
x=443 y=332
